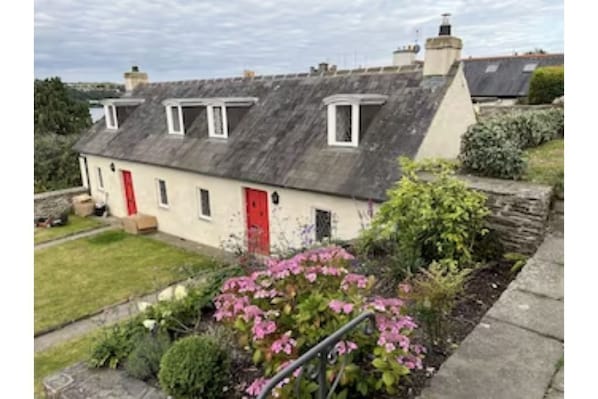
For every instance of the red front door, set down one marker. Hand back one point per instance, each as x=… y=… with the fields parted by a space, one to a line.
x=129 y=193
x=258 y=230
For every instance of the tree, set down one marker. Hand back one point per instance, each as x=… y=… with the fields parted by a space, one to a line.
x=56 y=111
x=537 y=50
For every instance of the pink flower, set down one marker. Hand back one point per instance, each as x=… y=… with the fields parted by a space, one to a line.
x=340 y=306
x=251 y=312
x=262 y=328
x=354 y=279
x=311 y=277
x=256 y=387
x=345 y=347
x=284 y=344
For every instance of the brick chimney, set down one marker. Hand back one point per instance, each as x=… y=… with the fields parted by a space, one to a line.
x=405 y=55
x=442 y=51
x=134 y=78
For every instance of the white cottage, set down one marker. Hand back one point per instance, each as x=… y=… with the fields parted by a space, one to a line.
x=262 y=157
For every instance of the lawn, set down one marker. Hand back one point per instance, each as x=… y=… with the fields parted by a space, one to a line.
x=58 y=357
x=76 y=224
x=546 y=164
x=82 y=276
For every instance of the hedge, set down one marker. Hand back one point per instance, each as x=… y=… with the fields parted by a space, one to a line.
x=547 y=83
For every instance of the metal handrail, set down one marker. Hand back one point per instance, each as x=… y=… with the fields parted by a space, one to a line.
x=321 y=350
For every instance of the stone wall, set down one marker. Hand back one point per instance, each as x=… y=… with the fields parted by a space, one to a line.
x=519 y=211
x=55 y=202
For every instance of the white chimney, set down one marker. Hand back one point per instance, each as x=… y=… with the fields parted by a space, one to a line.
x=442 y=51
x=135 y=78
x=405 y=55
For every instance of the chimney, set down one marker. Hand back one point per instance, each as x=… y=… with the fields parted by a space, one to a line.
x=134 y=78
x=405 y=55
x=442 y=51
x=323 y=67
x=248 y=73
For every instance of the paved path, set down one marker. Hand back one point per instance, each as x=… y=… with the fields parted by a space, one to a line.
x=72 y=237
x=516 y=350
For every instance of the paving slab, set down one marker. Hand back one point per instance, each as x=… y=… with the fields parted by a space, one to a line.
x=558 y=382
x=554 y=394
x=80 y=382
x=539 y=314
x=552 y=249
x=542 y=277
x=497 y=361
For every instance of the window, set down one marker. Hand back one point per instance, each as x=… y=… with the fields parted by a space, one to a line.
x=174 y=116
x=529 y=67
x=204 y=204
x=100 y=179
x=323 y=225
x=491 y=68
x=162 y=195
x=217 y=123
x=110 y=113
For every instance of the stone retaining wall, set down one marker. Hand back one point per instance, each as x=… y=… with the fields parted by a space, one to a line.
x=486 y=111
x=55 y=202
x=519 y=211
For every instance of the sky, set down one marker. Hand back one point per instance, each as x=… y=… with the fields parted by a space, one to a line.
x=192 y=39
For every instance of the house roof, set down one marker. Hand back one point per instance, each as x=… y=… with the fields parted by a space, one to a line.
x=281 y=140
x=509 y=79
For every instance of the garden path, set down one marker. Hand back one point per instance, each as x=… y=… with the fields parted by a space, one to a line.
x=72 y=237
x=517 y=349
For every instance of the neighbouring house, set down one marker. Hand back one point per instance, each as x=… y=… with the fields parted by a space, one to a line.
x=274 y=160
x=504 y=80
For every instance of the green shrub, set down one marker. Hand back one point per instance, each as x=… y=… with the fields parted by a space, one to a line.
x=433 y=219
x=432 y=294
x=195 y=367
x=55 y=164
x=547 y=83
x=495 y=147
x=144 y=361
x=116 y=343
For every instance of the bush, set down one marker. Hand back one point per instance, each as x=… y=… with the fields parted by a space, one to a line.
x=433 y=293
x=547 y=83
x=283 y=311
x=144 y=361
x=195 y=367
x=494 y=148
x=116 y=343
x=432 y=219
x=56 y=165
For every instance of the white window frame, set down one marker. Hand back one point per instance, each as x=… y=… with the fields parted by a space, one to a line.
x=110 y=109
x=354 y=125
x=170 y=121
x=211 y=126
x=100 y=178
x=200 y=213
x=159 y=194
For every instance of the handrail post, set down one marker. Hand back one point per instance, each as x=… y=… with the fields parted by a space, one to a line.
x=322 y=383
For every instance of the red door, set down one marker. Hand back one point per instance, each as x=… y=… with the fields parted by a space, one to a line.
x=129 y=193
x=258 y=230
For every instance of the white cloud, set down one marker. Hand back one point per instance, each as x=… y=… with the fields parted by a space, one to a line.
x=177 y=39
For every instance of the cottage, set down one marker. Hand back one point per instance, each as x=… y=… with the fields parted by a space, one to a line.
x=504 y=80
x=274 y=160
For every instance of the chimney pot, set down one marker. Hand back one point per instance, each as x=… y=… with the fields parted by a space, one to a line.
x=134 y=68
x=445 y=26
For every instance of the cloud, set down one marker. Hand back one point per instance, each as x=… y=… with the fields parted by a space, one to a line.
x=97 y=40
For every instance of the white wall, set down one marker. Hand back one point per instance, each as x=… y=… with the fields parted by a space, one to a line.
x=295 y=209
x=454 y=115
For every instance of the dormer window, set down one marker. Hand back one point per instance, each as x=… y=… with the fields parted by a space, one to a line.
x=223 y=113
x=347 y=114
x=491 y=68
x=174 y=116
x=116 y=109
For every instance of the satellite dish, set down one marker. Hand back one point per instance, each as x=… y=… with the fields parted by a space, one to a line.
x=416 y=48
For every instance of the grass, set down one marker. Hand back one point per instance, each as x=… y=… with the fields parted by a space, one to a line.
x=82 y=276
x=76 y=224
x=546 y=164
x=58 y=357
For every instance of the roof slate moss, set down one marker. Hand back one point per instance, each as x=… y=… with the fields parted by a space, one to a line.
x=282 y=139
x=509 y=80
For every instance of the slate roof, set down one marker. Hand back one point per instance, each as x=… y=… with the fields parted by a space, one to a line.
x=509 y=80
x=282 y=139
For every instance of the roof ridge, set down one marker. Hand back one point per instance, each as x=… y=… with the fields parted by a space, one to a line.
x=500 y=57
x=297 y=75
